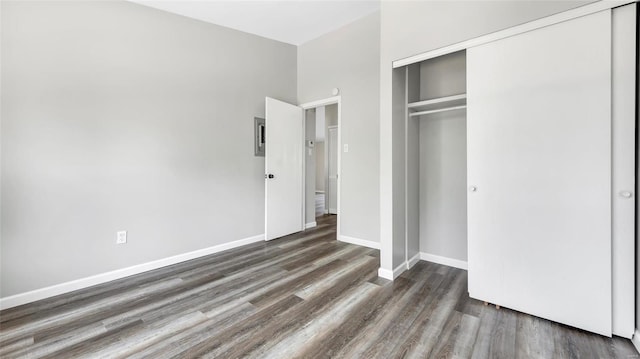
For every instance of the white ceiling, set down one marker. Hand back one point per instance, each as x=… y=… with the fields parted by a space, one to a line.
x=294 y=21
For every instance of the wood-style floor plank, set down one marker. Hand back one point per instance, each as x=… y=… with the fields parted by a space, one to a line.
x=301 y=296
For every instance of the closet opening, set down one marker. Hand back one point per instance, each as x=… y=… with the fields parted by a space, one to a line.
x=436 y=160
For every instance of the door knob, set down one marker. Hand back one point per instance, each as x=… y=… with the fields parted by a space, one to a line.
x=625 y=194
x=473 y=188
x=269 y=175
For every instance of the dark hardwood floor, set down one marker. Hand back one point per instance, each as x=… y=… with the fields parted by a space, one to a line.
x=302 y=296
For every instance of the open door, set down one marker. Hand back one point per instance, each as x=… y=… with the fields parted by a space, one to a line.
x=283 y=169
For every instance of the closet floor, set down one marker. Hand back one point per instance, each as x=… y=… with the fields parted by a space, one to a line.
x=304 y=295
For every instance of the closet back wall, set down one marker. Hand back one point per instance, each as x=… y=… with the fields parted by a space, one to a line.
x=443 y=161
x=116 y=116
x=443 y=181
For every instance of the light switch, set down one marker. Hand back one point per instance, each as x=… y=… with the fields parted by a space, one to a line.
x=346 y=147
x=121 y=237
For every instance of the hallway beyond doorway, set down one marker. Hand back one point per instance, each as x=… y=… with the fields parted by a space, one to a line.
x=319 y=204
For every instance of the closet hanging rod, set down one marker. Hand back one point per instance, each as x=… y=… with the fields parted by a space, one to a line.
x=414 y=114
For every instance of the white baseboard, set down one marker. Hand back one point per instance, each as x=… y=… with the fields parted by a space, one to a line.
x=391 y=275
x=360 y=242
x=310 y=225
x=385 y=273
x=399 y=270
x=456 y=263
x=636 y=340
x=42 y=293
x=413 y=260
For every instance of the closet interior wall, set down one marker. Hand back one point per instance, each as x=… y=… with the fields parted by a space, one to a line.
x=436 y=170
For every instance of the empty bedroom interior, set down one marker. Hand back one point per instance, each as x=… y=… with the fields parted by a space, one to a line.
x=460 y=179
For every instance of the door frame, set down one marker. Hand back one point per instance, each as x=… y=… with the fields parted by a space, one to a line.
x=327 y=180
x=310 y=105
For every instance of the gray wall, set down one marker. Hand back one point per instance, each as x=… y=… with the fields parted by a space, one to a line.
x=348 y=59
x=443 y=76
x=411 y=27
x=115 y=117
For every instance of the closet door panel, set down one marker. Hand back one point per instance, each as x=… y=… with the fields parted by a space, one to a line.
x=539 y=159
x=623 y=183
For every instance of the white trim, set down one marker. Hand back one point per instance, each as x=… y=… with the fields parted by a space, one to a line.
x=304 y=171
x=42 y=293
x=406 y=166
x=323 y=102
x=385 y=273
x=392 y=275
x=399 y=269
x=310 y=225
x=456 y=263
x=411 y=262
x=636 y=340
x=515 y=30
x=339 y=171
x=359 y=242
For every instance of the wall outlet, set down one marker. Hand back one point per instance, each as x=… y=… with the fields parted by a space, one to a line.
x=121 y=237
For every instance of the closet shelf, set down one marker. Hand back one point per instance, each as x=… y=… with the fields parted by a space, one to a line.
x=435 y=105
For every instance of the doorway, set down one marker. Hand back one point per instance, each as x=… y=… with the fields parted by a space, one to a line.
x=322 y=157
x=290 y=180
x=326 y=159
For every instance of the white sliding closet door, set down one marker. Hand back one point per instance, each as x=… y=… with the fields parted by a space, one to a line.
x=539 y=160
x=623 y=185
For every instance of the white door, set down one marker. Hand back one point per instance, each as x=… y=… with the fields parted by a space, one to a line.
x=623 y=183
x=283 y=169
x=539 y=172
x=333 y=148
